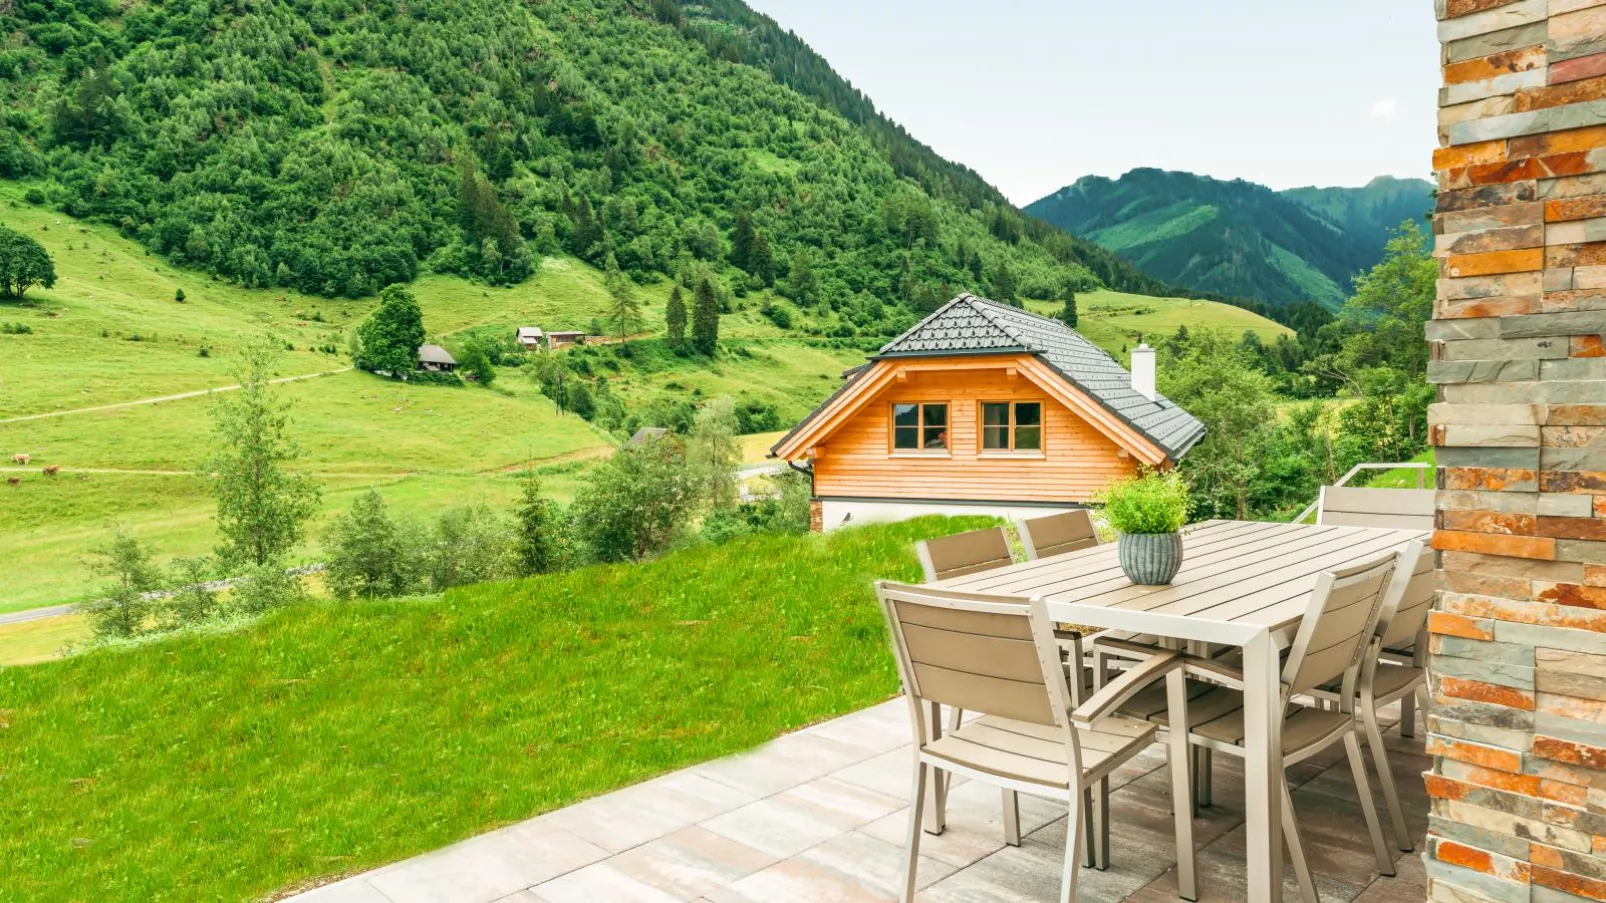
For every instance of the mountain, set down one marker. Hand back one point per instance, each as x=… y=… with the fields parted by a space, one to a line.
x=332 y=148
x=1373 y=210
x=1237 y=239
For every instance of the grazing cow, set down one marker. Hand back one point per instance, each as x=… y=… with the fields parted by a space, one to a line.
x=19 y=459
x=52 y=469
x=15 y=481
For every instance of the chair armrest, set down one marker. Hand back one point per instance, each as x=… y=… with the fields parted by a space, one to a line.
x=1216 y=670
x=1118 y=691
x=1124 y=648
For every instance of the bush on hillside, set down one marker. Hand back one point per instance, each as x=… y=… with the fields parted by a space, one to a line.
x=265 y=587
x=636 y=503
x=470 y=544
x=122 y=606
x=368 y=555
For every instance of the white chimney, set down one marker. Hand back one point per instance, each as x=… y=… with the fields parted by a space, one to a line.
x=1143 y=371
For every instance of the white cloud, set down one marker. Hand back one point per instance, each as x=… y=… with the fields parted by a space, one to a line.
x=1385 y=108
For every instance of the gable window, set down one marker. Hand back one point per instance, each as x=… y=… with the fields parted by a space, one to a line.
x=1012 y=426
x=919 y=427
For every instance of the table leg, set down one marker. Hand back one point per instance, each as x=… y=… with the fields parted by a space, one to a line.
x=1263 y=769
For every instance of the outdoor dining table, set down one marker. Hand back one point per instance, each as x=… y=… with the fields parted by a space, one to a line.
x=1243 y=584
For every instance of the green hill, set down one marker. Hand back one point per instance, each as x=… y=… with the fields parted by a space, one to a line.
x=330 y=149
x=1238 y=239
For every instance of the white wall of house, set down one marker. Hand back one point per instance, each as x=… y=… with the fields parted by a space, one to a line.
x=846 y=512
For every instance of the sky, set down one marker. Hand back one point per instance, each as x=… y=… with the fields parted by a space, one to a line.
x=1036 y=93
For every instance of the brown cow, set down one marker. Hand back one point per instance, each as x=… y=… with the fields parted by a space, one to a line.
x=19 y=458
x=52 y=469
x=15 y=481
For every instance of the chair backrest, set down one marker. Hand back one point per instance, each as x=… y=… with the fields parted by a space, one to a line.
x=1408 y=600
x=980 y=656
x=1353 y=506
x=964 y=553
x=1058 y=533
x=1338 y=625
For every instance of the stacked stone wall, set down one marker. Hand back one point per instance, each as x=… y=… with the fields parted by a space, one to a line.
x=1518 y=638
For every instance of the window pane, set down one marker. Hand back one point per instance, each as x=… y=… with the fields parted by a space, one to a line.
x=936 y=415
x=1029 y=438
x=936 y=437
x=905 y=415
x=995 y=437
x=995 y=415
x=906 y=437
x=1028 y=413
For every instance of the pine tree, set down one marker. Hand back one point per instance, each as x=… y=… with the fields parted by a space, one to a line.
x=675 y=318
x=1068 y=312
x=1004 y=284
x=705 y=318
x=587 y=231
x=624 y=314
x=761 y=260
x=742 y=240
x=536 y=540
x=801 y=283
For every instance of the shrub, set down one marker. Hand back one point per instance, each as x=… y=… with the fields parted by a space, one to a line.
x=121 y=606
x=471 y=544
x=1149 y=503
x=178 y=295
x=34 y=196
x=265 y=587
x=15 y=329
x=635 y=503
x=538 y=540
x=193 y=600
x=368 y=554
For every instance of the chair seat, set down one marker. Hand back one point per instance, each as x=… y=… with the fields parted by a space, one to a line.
x=1036 y=753
x=1390 y=679
x=1217 y=713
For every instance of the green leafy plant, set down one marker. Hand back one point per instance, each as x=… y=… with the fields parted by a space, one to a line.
x=1148 y=503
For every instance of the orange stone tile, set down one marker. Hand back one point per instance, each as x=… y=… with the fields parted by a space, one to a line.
x=1478 y=691
x=1569 y=141
x=1575 y=415
x=1493 y=263
x=1563 y=792
x=1487 y=307
x=1580 y=91
x=1494 y=66
x=1592 y=528
x=1464 y=856
x=1588 y=346
x=1577 y=885
x=1525 y=784
x=1600 y=506
x=1590 y=481
x=1569 y=752
x=1473 y=754
x=1572 y=595
x=1443 y=623
x=1464 y=155
x=1494 y=479
x=1585 y=255
x=1566 y=209
x=1489 y=522
x=1456 y=8
x=1549 y=857
x=1488 y=544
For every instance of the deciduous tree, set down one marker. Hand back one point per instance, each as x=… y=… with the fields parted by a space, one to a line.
x=388 y=340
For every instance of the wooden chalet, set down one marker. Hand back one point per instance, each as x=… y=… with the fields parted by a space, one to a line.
x=984 y=408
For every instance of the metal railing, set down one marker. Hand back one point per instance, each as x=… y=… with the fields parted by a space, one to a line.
x=1422 y=469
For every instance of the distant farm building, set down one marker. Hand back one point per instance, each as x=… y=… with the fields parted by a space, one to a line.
x=645 y=435
x=562 y=339
x=530 y=338
x=435 y=359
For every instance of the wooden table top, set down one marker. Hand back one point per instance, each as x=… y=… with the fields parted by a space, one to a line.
x=1237 y=578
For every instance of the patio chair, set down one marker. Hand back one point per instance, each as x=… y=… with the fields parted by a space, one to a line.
x=1401 y=625
x=1395 y=509
x=1002 y=659
x=964 y=553
x=1336 y=629
x=1045 y=537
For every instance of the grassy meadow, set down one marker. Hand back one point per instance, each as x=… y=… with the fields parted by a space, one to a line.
x=331 y=738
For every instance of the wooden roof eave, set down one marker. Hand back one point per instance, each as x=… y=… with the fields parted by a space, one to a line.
x=826 y=421
x=1119 y=431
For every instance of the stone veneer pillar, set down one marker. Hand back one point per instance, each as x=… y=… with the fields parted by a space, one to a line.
x=1518 y=640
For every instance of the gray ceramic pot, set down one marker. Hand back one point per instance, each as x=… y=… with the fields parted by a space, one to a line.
x=1150 y=559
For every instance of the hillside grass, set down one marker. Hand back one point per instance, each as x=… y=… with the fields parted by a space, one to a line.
x=1115 y=320
x=331 y=738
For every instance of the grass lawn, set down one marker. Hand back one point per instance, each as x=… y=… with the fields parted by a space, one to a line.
x=1115 y=319
x=331 y=738
x=26 y=642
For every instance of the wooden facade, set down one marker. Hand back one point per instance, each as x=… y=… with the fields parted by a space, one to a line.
x=1080 y=447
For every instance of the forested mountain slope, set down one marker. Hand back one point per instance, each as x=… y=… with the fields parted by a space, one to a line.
x=334 y=146
x=1238 y=239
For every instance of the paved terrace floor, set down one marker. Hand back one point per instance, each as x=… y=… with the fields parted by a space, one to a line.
x=819 y=816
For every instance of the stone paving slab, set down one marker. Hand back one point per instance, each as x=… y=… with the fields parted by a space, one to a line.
x=821 y=816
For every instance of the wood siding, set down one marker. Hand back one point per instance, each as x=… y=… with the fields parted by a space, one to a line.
x=857 y=460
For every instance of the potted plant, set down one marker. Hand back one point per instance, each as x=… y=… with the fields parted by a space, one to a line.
x=1149 y=511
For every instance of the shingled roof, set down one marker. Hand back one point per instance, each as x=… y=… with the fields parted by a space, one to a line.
x=972 y=325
